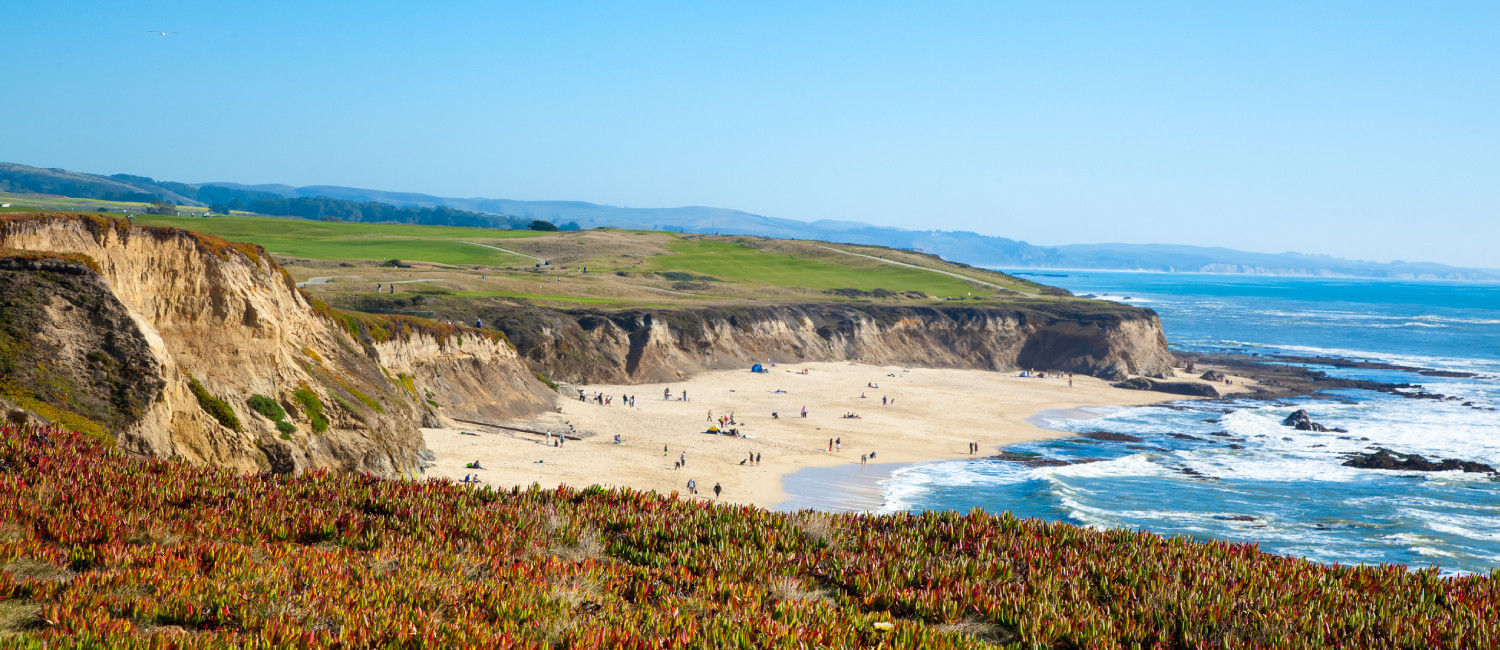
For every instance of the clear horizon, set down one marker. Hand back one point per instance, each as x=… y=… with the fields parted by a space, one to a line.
x=1348 y=129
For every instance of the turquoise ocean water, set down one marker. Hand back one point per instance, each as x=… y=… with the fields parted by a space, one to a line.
x=1284 y=489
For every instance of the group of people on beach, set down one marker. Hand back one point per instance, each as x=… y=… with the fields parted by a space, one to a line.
x=606 y=400
x=723 y=420
x=1043 y=375
x=692 y=486
x=666 y=394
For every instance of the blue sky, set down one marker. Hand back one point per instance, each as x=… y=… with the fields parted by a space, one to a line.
x=1368 y=130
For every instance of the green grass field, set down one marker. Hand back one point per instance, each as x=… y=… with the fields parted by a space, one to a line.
x=349 y=241
x=33 y=202
x=740 y=263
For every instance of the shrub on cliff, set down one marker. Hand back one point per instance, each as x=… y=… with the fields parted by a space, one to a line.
x=219 y=409
x=312 y=406
x=267 y=407
x=273 y=412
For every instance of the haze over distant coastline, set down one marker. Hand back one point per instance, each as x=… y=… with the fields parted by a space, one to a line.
x=960 y=246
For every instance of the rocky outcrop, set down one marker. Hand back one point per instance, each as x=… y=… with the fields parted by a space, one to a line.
x=1173 y=387
x=66 y=340
x=1301 y=421
x=192 y=308
x=641 y=346
x=1212 y=375
x=1390 y=460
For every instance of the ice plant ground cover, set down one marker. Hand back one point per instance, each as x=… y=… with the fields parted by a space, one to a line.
x=100 y=549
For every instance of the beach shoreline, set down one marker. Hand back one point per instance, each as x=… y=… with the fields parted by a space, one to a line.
x=927 y=415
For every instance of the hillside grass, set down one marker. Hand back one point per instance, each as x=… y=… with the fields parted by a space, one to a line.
x=102 y=549
x=35 y=202
x=329 y=240
x=737 y=262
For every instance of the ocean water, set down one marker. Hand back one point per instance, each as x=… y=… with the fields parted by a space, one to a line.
x=1286 y=490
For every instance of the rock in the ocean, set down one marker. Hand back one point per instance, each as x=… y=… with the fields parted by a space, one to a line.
x=1301 y=421
x=1112 y=436
x=1387 y=459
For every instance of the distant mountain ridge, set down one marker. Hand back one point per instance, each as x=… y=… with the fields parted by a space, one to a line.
x=959 y=246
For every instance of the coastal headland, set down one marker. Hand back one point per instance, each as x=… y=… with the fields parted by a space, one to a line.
x=243 y=363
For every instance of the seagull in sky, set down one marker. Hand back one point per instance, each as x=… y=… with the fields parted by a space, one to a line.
x=160 y=33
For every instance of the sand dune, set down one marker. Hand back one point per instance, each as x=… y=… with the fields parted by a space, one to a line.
x=934 y=415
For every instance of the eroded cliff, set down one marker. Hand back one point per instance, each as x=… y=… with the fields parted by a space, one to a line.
x=178 y=308
x=1100 y=339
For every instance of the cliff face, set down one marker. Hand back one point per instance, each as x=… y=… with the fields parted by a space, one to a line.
x=644 y=346
x=227 y=316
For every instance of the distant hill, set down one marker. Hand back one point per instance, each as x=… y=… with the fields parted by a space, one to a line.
x=959 y=246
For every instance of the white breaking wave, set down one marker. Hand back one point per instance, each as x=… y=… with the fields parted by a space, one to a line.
x=1436 y=363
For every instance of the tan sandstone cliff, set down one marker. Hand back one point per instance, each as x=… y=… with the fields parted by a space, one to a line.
x=227 y=316
x=1100 y=339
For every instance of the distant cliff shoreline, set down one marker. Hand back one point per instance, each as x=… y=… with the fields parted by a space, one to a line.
x=1048 y=271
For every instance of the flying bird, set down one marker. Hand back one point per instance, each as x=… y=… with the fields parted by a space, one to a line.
x=160 y=33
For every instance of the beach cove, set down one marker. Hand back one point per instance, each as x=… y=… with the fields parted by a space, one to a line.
x=930 y=414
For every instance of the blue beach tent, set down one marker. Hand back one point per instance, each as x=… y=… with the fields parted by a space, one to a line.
x=757 y=368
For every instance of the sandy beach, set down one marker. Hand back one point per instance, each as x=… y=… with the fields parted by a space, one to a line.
x=929 y=414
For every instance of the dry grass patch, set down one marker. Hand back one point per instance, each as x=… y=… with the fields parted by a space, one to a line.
x=983 y=631
x=33 y=569
x=788 y=589
x=574 y=542
x=17 y=616
x=816 y=528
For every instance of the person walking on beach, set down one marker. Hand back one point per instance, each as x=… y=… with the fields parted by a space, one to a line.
x=692 y=486
x=710 y=415
x=663 y=451
x=830 y=444
x=757 y=458
x=838 y=445
x=864 y=458
x=883 y=401
x=684 y=459
x=717 y=489
x=804 y=411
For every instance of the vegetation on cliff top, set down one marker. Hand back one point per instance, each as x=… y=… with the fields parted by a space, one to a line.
x=722 y=267
x=73 y=258
x=101 y=549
